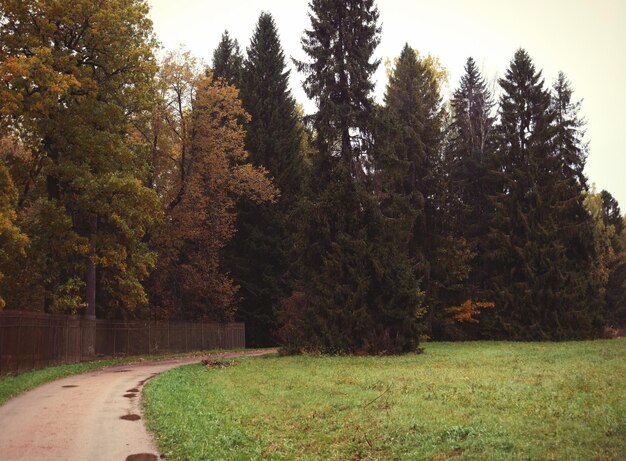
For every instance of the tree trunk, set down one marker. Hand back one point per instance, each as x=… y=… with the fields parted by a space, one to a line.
x=90 y=313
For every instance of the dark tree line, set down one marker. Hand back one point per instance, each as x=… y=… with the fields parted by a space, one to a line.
x=357 y=229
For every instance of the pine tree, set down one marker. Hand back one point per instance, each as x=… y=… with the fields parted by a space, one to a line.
x=611 y=211
x=228 y=60
x=359 y=289
x=258 y=256
x=468 y=150
x=540 y=238
x=403 y=158
x=615 y=262
x=471 y=141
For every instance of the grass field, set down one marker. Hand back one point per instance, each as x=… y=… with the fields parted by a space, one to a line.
x=13 y=385
x=482 y=401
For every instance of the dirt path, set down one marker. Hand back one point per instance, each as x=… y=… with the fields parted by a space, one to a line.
x=90 y=417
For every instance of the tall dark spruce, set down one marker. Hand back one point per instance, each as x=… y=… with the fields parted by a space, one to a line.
x=468 y=151
x=258 y=256
x=356 y=288
x=615 y=293
x=228 y=60
x=540 y=242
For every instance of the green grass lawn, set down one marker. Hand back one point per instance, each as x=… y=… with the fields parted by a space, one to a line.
x=484 y=400
x=12 y=385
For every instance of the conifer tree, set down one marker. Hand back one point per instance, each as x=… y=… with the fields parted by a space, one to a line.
x=359 y=289
x=468 y=150
x=615 y=262
x=228 y=60
x=258 y=255
x=471 y=141
x=569 y=131
x=540 y=239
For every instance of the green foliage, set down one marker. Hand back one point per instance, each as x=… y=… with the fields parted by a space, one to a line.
x=469 y=150
x=72 y=105
x=13 y=385
x=258 y=256
x=416 y=184
x=359 y=287
x=476 y=401
x=541 y=243
x=228 y=61
x=12 y=241
x=609 y=239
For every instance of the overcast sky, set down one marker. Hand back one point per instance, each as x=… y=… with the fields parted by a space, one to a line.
x=586 y=39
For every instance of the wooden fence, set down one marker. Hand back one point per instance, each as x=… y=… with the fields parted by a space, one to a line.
x=31 y=340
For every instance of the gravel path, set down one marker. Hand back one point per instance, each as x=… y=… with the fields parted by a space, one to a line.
x=94 y=416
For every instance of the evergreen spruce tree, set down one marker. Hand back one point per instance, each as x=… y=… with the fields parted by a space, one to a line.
x=258 y=256
x=611 y=211
x=228 y=60
x=470 y=145
x=360 y=293
x=540 y=238
x=471 y=141
x=568 y=138
x=615 y=289
x=403 y=156
x=408 y=155
x=415 y=181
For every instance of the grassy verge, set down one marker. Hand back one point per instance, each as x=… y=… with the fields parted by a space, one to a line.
x=457 y=400
x=10 y=386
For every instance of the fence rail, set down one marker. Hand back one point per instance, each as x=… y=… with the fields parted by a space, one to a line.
x=31 y=340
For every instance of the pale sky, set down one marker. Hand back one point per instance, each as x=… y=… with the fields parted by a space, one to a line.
x=586 y=39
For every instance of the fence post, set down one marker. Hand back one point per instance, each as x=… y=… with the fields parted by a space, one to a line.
x=34 y=351
x=19 y=343
x=67 y=337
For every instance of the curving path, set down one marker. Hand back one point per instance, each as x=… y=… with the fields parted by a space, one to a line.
x=94 y=416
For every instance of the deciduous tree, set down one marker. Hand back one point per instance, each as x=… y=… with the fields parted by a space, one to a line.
x=73 y=75
x=190 y=281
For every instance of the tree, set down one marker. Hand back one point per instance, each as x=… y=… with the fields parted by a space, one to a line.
x=470 y=146
x=569 y=131
x=12 y=241
x=258 y=256
x=359 y=288
x=189 y=280
x=611 y=211
x=414 y=177
x=540 y=234
x=74 y=74
x=228 y=61
x=610 y=245
x=465 y=193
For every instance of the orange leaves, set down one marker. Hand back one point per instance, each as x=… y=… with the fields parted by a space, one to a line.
x=12 y=241
x=214 y=174
x=467 y=311
x=32 y=85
